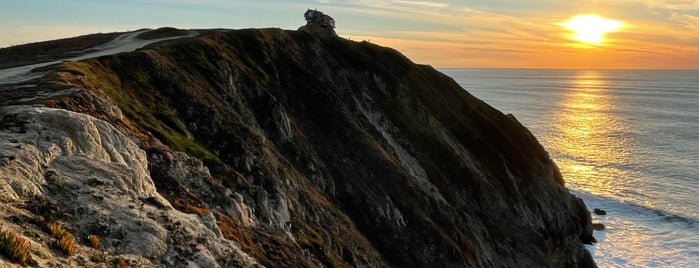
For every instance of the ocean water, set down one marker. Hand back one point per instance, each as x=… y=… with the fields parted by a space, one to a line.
x=626 y=141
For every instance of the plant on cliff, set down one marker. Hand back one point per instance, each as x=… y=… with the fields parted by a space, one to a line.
x=120 y=262
x=64 y=239
x=189 y=208
x=231 y=229
x=94 y=241
x=136 y=97
x=15 y=247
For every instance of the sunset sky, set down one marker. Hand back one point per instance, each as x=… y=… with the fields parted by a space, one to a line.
x=470 y=33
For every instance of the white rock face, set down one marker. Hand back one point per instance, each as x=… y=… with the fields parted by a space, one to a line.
x=411 y=165
x=98 y=180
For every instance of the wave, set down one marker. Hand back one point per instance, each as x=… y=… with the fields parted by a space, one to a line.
x=652 y=218
x=634 y=211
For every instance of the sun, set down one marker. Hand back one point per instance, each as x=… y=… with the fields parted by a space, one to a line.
x=590 y=28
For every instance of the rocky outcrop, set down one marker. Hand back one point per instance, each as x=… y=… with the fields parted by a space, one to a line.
x=318 y=24
x=285 y=149
x=71 y=168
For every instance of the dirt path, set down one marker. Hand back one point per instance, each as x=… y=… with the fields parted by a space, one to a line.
x=124 y=43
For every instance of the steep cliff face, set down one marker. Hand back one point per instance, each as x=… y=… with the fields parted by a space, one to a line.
x=305 y=151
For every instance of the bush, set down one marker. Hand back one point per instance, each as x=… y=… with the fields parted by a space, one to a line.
x=94 y=241
x=64 y=239
x=15 y=247
x=189 y=208
x=120 y=262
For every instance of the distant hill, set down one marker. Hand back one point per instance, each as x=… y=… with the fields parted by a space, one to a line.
x=51 y=50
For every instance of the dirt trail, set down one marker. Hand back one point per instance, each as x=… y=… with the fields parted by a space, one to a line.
x=124 y=43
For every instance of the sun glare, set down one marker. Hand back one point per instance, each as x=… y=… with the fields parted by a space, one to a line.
x=591 y=29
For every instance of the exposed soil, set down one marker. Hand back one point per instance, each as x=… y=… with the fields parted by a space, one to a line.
x=51 y=50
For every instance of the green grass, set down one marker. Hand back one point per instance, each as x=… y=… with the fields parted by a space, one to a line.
x=140 y=103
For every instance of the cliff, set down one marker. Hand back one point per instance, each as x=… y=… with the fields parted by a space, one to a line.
x=276 y=148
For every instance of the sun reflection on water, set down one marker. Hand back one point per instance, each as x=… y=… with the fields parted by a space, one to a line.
x=587 y=138
x=612 y=135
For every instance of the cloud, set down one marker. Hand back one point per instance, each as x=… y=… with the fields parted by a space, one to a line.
x=29 y=33
x=443 y=32
x=421 y=4
x=391 y=6
x=681 y=4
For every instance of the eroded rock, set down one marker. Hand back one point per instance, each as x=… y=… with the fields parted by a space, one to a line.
x=97 y=181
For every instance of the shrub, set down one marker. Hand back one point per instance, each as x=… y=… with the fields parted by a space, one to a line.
x=64 y=239
x=189 y=208
x=120 y=263
x=15 y=247
x=67 y=244
x=94 y=241
x=56 y=229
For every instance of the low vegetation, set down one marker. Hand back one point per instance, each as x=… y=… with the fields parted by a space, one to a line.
x=65 y=241
x=231 y=229
x=120 y=262
x=162 y=33
x=94 y=241
x=189 y=208
x=51 y=50
x=145 y=107
x=14 y=246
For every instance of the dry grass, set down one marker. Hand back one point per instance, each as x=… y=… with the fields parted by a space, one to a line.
x=232 y=230
x=57 y=229
x=94 y=241
x=189 y=208
x=15 y=247
x=64 y=239
x=120 y=263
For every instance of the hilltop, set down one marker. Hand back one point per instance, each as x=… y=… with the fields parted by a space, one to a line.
x=240 y=148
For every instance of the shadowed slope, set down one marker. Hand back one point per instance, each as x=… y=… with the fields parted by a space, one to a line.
x=325 y=151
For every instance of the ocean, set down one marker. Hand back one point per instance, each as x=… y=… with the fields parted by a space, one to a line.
x=626 y=141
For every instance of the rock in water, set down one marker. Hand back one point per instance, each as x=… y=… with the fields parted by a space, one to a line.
x=240 y=147
x=600 y=211
x=598 y=226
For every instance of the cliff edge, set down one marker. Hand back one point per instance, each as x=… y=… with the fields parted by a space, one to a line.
x=265 y=147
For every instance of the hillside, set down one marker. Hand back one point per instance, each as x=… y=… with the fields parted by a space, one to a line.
x=276 y=148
